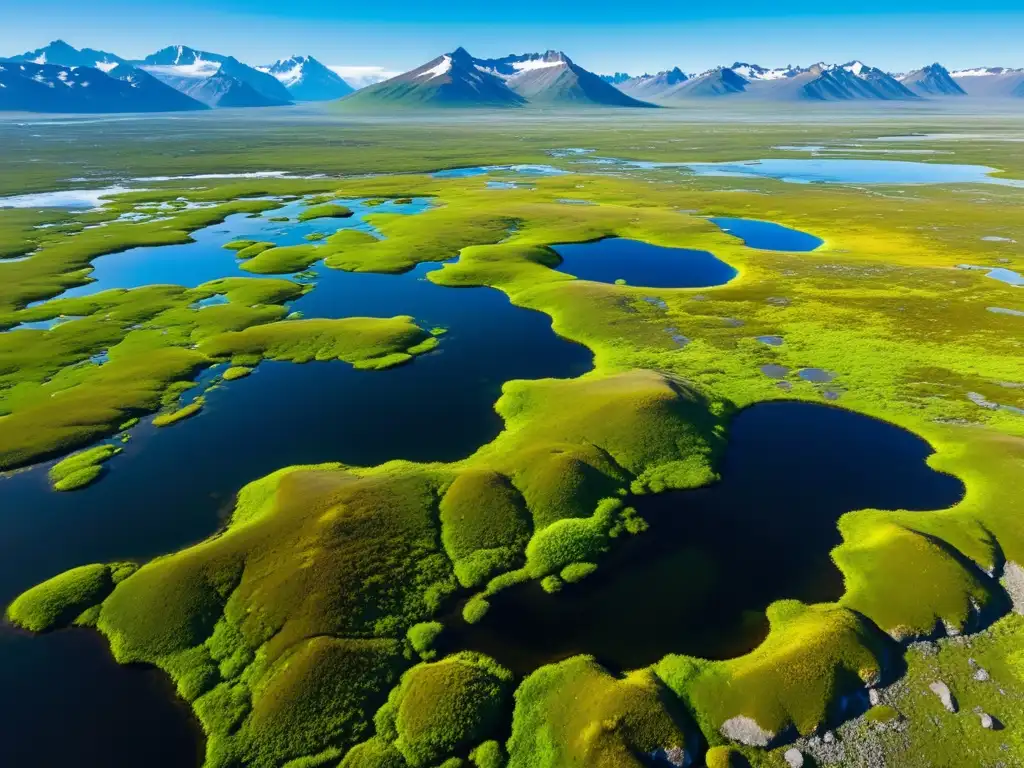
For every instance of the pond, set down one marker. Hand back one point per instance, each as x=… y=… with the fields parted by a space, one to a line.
x=767 y=235
x=698 y=581
x=838 y=171
x=483 y=170
x=173 y=486
x=639 y=263
x=206 y=259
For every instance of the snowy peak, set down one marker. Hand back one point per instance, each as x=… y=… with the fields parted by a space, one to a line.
x=990 y=82
x=517 y=64
x=933 y=80
x=857 y=69
x=755 y=72
x=62 y=54
x=307 y=79
x=181 y=55
x=983 y=71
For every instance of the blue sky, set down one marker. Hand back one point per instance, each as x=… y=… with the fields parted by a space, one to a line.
x=399 y=34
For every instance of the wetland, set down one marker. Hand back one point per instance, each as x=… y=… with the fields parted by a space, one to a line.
x=559 y=402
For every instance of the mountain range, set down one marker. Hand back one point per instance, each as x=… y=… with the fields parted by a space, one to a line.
x=819 y=82
x=61 y=78
x=172 y=79
x=458 y=79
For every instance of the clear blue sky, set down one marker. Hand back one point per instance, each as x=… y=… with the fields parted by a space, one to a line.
x=632 y=37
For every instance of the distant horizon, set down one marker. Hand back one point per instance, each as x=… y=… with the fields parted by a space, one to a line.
x=370 y=43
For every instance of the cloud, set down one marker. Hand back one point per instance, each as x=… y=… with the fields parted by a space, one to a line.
x=362 y=76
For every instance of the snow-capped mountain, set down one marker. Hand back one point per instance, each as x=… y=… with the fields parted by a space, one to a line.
x=553 y=78
x=933 y=80
x=820 y=82
x=459 y=79
x=215 y=79
x=654 y=87
x=59 y=52
x=306 y=79
x=450 y=80
x=56 y=88
x=991 y=82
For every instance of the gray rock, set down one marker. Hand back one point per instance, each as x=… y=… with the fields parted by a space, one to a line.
x=981 y=675
x=941 y=690
x=794 y=758
x=1013 y=583
x=874 y=697
x=829 y=737
x=987 y=722
x=675 y=756
x=745 y=730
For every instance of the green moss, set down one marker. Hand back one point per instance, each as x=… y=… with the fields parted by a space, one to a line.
x=575 y=540
x=725 y=757
x=575 y=713
x=484 y=525
x=575 y=572
x=475 y=610
x=422 y=636
x=883 y=713
x=374 y=753
x=812 y=656
x=185 y=412
x=82 y=468
x=489 y=755
x=55 y=603
x=443 y=708
x=552 y=584
x=236 y=372
x=325 y=210
x=363 y=341
x=254 y=249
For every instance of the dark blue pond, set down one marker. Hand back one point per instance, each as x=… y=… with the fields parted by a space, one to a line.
x=640 y=263
x=767 y=235
x=699 y=580
x=66 y=701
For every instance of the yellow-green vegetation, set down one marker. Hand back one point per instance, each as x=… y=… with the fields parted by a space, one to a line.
x=287 y=630
x=179 y=414
x=444 y=709
x=57 y=602
x=576 y=713
x=325 y=211
x=82 y=468
x=422 y=636
x=791 y=680
x=365 y=342
x=236 y=372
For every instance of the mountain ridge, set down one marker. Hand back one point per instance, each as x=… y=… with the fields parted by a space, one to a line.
x=458 y=79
